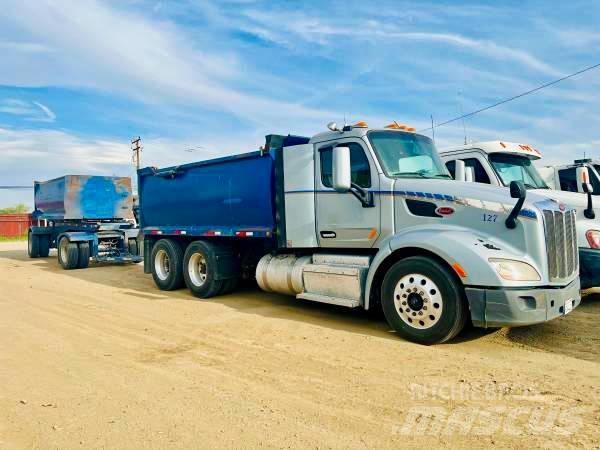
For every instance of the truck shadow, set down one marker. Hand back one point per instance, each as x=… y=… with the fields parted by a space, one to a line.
x=576 y=335
x=130 y=280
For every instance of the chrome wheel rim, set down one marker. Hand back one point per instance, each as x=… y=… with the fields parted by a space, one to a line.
x=197 y=269
x=63 y=250
x=418 y=301
x=162 y=265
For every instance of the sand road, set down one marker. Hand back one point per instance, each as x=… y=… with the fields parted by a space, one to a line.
x=99 y=358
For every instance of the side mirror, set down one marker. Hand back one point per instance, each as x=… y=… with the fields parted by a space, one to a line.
x=583 y=178
x=342 y=180
x=469 y=174
x=518 y=191
x=587 y=188
x=459 y=170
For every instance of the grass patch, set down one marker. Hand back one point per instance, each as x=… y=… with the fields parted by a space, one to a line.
x=13 y=238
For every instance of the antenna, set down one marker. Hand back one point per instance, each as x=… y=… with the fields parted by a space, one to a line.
x=432 y=129
x=460 y=106
x=136 y=148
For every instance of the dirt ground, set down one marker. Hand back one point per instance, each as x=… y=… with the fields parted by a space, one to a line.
x=99 y=358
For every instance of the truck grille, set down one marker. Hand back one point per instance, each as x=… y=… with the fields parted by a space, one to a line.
x=561 y=242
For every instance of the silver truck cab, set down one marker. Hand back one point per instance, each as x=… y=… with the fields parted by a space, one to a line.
x=431 y=250
x=500 y=162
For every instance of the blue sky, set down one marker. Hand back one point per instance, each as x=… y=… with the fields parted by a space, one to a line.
x=196 y=79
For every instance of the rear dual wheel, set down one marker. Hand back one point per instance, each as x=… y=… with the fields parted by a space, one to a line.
x=422 y=301
x=73 y=255
x=200 y=269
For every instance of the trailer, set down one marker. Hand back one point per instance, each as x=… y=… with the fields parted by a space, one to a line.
x=84 y=217
x=500 y=162
x=362 y=218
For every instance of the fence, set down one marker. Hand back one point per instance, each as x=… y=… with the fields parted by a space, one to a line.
x=14 y=225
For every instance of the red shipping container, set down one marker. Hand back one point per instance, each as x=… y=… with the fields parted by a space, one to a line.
x=13 y=225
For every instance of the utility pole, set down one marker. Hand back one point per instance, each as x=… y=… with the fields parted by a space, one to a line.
x=136 y=147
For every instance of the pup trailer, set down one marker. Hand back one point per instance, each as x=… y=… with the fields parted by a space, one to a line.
x=362 y=218
x=84 y=217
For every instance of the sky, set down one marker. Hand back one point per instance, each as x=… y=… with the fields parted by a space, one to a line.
x=197 y=79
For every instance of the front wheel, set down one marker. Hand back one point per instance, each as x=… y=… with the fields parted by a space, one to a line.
x=33 y=245
x=423 y=301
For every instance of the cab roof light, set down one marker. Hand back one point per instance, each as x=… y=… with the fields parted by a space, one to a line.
x=361 y=124
x=396 y=126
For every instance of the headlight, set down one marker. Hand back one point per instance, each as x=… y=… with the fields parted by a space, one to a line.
x=510 y=269
x=593 y=238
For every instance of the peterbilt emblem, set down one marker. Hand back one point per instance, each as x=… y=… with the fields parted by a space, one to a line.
x=561 y=206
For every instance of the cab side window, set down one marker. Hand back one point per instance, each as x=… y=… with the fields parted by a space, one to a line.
x=481 y=175
x=361 y=171
x=568 y=179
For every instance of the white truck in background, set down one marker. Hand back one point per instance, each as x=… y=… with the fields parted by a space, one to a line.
x=499 y=163
x=564 y=177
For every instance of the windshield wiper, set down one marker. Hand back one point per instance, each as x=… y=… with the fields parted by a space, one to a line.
x=409 y=174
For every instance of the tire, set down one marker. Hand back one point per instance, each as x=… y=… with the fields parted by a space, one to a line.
x=44 y=245
x=200 y=264
x=68 y=254
x=167 y=265
x=132 y=247
x=84 y=255
x=33 y=245
x=229 y=286
x=423 y=301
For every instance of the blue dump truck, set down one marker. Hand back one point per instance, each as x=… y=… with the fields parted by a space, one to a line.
x=362 y=218
x=84 y=217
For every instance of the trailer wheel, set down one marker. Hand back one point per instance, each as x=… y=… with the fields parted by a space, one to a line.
x=200 y=264
x=167 y=265
x=33 y=245
x=132 y=247
x=84 y=255
x=44 y=246
x=422 y=301
x=68 y=254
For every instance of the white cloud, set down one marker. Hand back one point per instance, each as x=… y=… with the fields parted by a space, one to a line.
x=29 y=111
x=47 y=111
x=152 y=61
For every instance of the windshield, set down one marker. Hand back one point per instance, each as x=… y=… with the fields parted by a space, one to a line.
x=517 y=168
x=407 y=155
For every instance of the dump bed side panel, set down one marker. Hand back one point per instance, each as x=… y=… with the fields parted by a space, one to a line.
x=223 y=196
x=78 y=197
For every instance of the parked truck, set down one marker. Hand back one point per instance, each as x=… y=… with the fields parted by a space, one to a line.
x=566 y=177
x=84 y=217
x=362 y=218
x=499 y=163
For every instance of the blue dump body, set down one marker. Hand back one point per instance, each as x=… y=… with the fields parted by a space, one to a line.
x=220 y=197
x=84 y=197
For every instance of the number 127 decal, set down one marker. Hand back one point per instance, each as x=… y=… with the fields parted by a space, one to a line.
x=490 y=217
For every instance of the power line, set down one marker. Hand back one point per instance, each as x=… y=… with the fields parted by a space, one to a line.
x=523 y=94
x=16 y=187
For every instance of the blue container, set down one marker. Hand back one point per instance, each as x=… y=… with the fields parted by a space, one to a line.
x=83 y=197
x=229 y=196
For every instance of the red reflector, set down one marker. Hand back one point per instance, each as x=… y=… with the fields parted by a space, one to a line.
x=444 y=210
x=155 y=232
